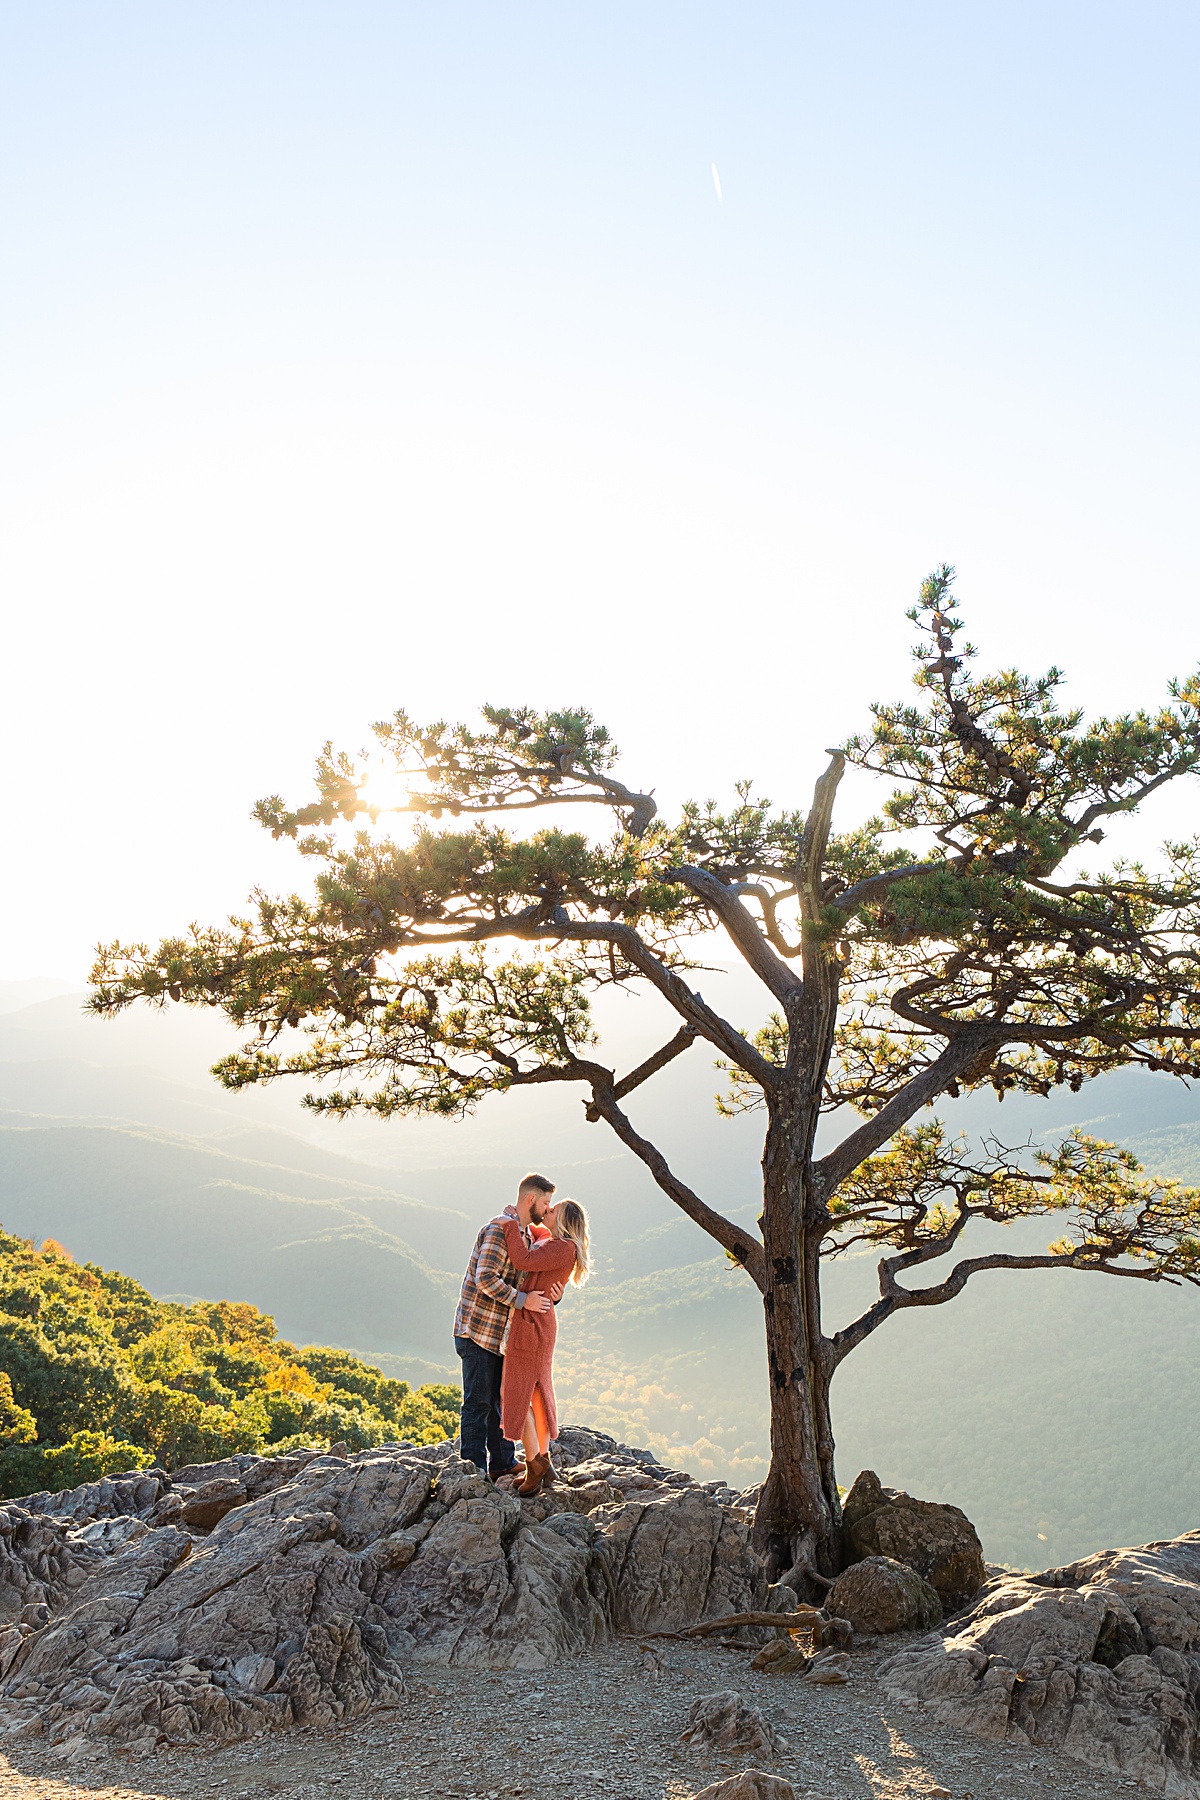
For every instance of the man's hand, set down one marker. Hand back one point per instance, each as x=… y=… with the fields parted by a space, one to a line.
x=557 y=1291
x=537 y=1303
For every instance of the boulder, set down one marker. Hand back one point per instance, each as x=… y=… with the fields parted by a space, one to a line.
x=830 y=1670
x=205 y=1506
x=264 y=1592
x=724 y=1722
x=1100 y=1660
x=675 y=1560
x=936 y=1540
x=879 y=1594
x=751 y=1784
x=112 y=1497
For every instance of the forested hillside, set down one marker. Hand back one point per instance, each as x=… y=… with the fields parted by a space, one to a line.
x=97 y=1375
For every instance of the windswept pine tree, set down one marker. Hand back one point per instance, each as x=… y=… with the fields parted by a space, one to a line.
x=955 y=942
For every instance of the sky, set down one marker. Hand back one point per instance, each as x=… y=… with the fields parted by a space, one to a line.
x=380 y=355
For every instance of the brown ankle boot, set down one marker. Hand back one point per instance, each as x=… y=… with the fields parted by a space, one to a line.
x=535 y=1475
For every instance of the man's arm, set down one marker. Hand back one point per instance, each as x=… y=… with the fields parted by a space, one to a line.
x=490 y=1264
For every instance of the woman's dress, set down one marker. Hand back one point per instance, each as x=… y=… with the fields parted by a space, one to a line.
x=529 y=1353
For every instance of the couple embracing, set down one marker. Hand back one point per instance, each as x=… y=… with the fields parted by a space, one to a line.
x=505 y=1329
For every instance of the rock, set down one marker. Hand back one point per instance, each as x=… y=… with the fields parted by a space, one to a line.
x=879 y=1594
x=724 y=1722
x=830 y=1670
x=256 y=1593
x=576 y=1443
x=1100 y=1659
x=833 y=1633
x=114 y=1496
x=202 y=1507
x=751 y=1784
x=42 y=1560
x=583 y=1498
x=936 y=1540
x=781 y=1657
x=676 y=1560
x=255 y=1673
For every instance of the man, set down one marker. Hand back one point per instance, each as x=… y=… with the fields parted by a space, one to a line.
x=490 y=1291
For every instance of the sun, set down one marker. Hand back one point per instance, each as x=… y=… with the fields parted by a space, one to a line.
x=384 y=789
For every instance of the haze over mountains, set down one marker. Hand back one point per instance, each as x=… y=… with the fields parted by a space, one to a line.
x=1058 y=1410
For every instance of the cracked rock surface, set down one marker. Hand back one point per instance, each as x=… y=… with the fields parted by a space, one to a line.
x=257 y=1593
x=1099 y=1660
x=751 y=1784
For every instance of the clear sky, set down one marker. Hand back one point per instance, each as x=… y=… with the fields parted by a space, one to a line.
x=365 y=355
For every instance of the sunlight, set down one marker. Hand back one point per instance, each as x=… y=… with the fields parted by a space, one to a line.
x=385 y=788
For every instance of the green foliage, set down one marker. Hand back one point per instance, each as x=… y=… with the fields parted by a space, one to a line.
x=96 y=1375
x=960 y=926
x=924 y=1189
x=451 y=1033
x=49 y=1468
x=17 y=1424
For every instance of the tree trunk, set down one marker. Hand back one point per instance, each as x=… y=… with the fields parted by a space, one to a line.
x=798 y=1520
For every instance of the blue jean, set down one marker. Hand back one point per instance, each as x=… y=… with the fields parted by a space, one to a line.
x=483 y=1442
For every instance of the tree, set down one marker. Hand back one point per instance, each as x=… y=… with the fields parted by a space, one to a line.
x=952 y=943
x=17 y=1423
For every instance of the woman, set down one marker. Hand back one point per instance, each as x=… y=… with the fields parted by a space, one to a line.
x=527 y=1390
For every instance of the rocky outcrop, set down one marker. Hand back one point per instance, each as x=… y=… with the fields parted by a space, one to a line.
x=751 y=1784
x=1100 y=1659
x=724 y=1722
x=262 y=1592
x=879 y=1594
x=936 y=1540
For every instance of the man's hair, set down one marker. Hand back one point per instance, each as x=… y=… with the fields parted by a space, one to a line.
x=542 y=1183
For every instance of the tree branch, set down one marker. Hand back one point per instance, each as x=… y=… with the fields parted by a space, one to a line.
x=1101 y=809
x=865 y=891
x=894 y=1298
x=682 y=1041
x=770 y=903
x=959 y=1053
x=776 y=975
x=690 y=1005
x=815 y=837
x=744 y=1249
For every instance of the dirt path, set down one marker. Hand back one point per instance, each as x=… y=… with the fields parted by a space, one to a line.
x=600 y=1728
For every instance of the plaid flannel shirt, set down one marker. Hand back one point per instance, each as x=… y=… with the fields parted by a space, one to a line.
x=489 y=1289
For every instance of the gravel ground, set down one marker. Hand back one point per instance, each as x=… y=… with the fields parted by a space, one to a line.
x=602 y=1727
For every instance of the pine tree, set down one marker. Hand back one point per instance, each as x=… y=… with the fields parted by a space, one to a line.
x=954 y=942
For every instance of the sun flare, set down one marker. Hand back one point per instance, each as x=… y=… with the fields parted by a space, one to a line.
x=385 y=789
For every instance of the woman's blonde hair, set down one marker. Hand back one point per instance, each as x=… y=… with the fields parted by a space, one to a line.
x=571 y=1222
